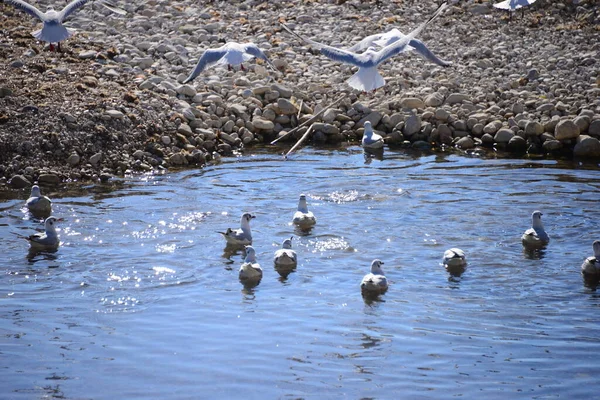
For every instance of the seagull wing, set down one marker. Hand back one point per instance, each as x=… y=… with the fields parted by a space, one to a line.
x=28 y=8
x=365 y=43
x=400 y=45
x=335 y=54
x=208 y=59
x=253 y=50
x=71 y=8
x=422 y=49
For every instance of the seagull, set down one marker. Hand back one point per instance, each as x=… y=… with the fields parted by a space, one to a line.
x=454 y=258
x=367 y=78
x=535 y=236
x=232 y=54
x=47 y=240
x=53 y=30
x=38 y=204
x=385 y=39
x=375 y=281
x=591 y=265
x=511 y=5
x=304 y=218
x=242 y=236
x=285 y=257
x=250 y=269
x=370 y=139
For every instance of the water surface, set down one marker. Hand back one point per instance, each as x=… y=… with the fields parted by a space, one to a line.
x=141 y=301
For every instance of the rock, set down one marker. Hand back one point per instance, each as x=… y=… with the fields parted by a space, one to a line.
x=412 y=125
x=88 y=54
x=533 y=74
x=177 y=159
x=412 y=102
x=487 y=139
x=185 y=130
x=504 y=135
x=327 y=129
x=547 y=107
x=284 y=91
x=286 y=107
x=374 y=116
x=186 y=90
x=583 y=122
x=593 y=129
x=263 y=124
x=517 y=144
x=115 y=114
x=238 y=109
x=455 y=98
x=565 y=130
x=533 y=128
x=442 y=114
x=551 y=145
x=434 y=100
x=95 y=159
x=48 y=179
x=492 y=127
x=73 y=159
x=19 y=182
x=587 y=146
x=465 y=143
x=330 y=115
x=5 y=92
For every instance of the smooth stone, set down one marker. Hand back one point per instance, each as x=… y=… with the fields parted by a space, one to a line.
x=487 y=139
x=263 y=124
x=594 y=128
x=412 y=125
x=583 y=122
x=374 y=117
x=465 y=143
x=442 y=114
x=73 y=159
x=504 y=135
x=186 y=90
x=89 y=54
x=239 y=109
x=286 y=107
x=565 y=130
x=19 y=182
x=533 y=128
x=284 y=91
x=517 y=144
x=434 y=100
x=177 y=159
x=327 y=129
x=95 y=159
x=185 y=130
x=492 y=127
x=5 y=92
x=454 y=98
x=412 y=102
x=551 y=145
x=587 y=146
x=49 y=179
x=115 y=114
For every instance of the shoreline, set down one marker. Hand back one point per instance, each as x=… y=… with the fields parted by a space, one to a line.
x=107 y=107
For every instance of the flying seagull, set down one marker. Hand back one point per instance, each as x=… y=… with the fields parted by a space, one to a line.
x=232 y=54
x=53 y=30
x=367 y=78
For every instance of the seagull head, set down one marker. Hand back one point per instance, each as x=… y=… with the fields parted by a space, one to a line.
x=50 y=224
x=287 y=243
x=596 y=247
x=250 y=254
x=35 y=191
x=536 y=218
x=376 y=267
x=246 y=217
x=302 y=204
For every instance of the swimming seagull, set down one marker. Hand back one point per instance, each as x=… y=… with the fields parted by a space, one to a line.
x=304 y=218
x=370 y=139
x=374 y=282
x=53 y=30
x=454 y=258
x=511 y=5
x=232 y=54
x=38 y=204
x=385 y=39
x=47 y=240
x=242 y=236
x=285 y=257
x=535 y=236
x=367 y=78
x=591 y=265
x=250 y=269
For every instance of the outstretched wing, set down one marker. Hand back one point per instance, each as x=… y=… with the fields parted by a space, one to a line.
x=335 y=54
x=365 y=43
x=253 y=50
x=422 y=49
x=400 y=45
x=71 y=8
x=28 y=8
x=208 y=59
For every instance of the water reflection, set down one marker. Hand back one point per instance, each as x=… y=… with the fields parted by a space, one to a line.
x=534 y=253
x=35 y=255
x=591 y=281
x=371 y=154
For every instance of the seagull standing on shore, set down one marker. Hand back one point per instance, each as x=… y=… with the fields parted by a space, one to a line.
x=591 y=265
x=374 y=282
x=370 y=139
x=385 y=39
x=535 y=236
x=304 y=218
x=53 y=30
x=242 y=236
x=38 y=204
x=367 y=78
x=231 y=54
x=47 y=240
x=250 y=269
x=512 y=5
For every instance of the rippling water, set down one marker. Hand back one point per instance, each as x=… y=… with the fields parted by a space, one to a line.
x=141 y=301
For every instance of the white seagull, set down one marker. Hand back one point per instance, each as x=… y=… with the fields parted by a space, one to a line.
x=512 y=5
x=53 y=30
x=250 y=269
x=242 y=236
x=285 y=257
x=454 y=258
x=304 y=218
x=535 y=236
x=232 y=54
x=370 y=139
x=385 y=39
x=375 y=281
x=591 y=265
x=38 y=204
x=47 y=240
x=367 y=78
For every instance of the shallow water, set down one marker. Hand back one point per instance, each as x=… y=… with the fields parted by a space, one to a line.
x=141 y=301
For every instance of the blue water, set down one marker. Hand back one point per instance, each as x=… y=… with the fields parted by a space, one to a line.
x=141 y=301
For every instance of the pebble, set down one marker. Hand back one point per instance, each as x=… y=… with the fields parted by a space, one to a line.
x=73 y=159
x=503 y=135
x=565 y=130
x=49 y=179
x=19 y=182
x=412 y=102
x=412 y=125
x=455 y=98
x=95 y=159
x=115 y=114
x=263 y=124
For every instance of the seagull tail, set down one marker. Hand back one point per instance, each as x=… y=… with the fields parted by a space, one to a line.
x=366 y=80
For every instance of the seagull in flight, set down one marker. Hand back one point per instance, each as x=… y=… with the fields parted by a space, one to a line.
x=53 y=30
x=232 y=54
x=367 y=78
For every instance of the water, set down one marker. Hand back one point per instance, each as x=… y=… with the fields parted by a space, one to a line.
x=141 y=301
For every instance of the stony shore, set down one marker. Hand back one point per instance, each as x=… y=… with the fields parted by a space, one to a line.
x=111 y=103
